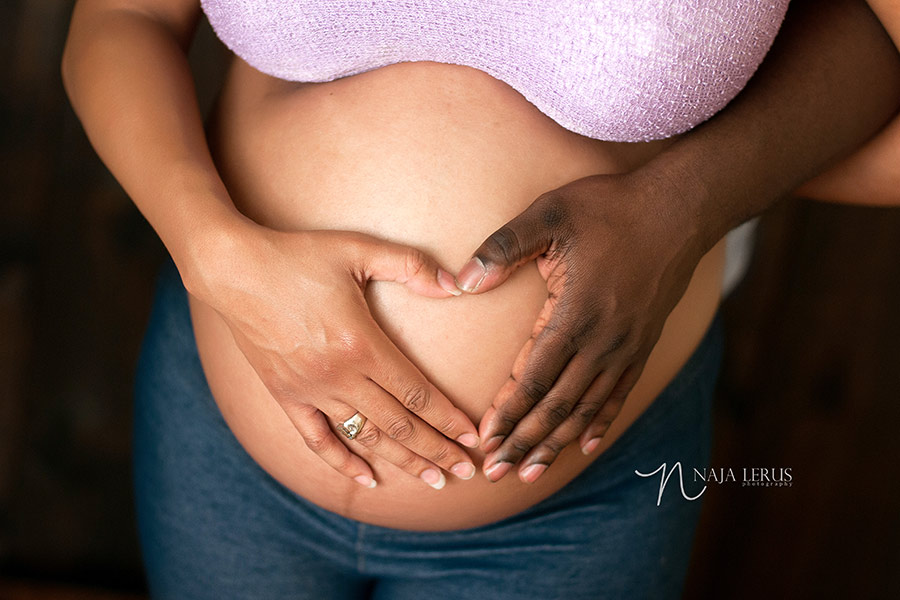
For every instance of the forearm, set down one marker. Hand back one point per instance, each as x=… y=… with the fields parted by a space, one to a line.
x=831 y=80
x=127 y=76
x=872 y=174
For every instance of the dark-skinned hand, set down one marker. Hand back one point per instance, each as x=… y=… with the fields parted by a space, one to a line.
x=617 y=253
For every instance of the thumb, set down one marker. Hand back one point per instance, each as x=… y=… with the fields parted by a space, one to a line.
x=520 y=241
x=386 y=261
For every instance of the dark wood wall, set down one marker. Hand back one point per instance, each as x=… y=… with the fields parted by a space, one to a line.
x=74 y=279
x=77 y=263
x=811 y=380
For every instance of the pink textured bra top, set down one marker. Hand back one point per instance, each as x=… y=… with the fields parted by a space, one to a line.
x=618 y=70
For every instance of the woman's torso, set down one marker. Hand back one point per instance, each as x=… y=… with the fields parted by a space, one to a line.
x=435 y=156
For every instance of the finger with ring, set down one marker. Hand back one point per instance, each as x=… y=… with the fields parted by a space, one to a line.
x=352 y=426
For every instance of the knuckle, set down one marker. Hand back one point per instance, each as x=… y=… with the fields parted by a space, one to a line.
x=504 y=246
x=553 y=447
x=554 y=413
x=506 y=421
x=445 y=425
x=553 y=212
x=519 y=446
x=514 y=448
x=583 y=413
x=562 y=336
x=417 y=397
x=571 y=344
x=351 y=346
x=309 y=414
x=586 y=327
x=317 y=441
x=414 y=262
x=409 y=462
x=401 y=429
x=535 y=388
x=369 y=437
x=344 y=464
x=598 y=361
x=617 y=342
x=440 y=455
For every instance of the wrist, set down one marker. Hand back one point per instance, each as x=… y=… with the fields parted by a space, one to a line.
x=214 y=251
x=680 y=200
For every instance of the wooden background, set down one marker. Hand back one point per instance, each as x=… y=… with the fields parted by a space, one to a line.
x=811 y=380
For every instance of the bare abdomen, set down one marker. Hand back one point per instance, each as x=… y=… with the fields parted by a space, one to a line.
x=437 y=157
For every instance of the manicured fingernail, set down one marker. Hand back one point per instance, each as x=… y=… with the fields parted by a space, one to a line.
x=463 y=470
x=469 y=440
x=433 y=478
x=498 y=470
x=530 y=473
x=471 y=275
x=492 y=444
x=447 y=283
x=591 y=445
x=365 y=481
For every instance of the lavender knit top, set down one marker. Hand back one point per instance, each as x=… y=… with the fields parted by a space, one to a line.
x=618 y=70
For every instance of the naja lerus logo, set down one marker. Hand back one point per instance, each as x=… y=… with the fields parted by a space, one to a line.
x=745 y=476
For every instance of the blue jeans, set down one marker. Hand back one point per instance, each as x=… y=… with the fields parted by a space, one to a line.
x=214 y=525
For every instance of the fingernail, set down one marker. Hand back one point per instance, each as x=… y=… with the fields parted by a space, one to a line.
x=463 y=470
x=471 y=275
x=498 y=470
x=433 y=478
x=591 y=445
x=530 y=473
x=447 y=283
x=469 y=440
x=492 y=444
x=365 y=481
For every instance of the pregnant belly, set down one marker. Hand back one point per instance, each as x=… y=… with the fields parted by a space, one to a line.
x=437 y=157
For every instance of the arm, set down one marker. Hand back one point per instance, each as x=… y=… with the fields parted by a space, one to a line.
x=872 y=174
x=127 y=76
x=831 y=80
x=830 y=83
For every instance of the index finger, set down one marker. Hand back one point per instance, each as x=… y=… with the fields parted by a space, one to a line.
x=398 y=376
x=537 y=367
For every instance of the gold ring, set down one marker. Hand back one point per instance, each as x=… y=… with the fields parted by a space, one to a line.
x=352 y=426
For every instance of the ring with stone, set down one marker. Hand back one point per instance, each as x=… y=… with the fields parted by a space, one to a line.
x=352 y=426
